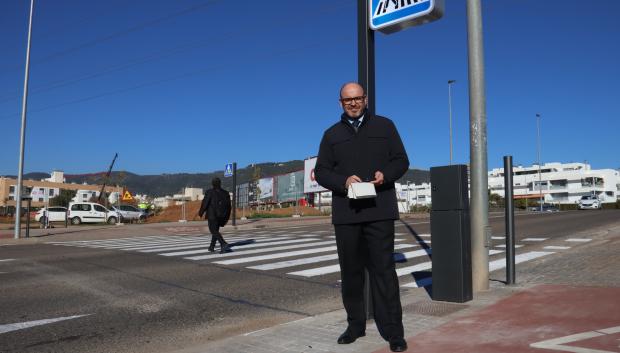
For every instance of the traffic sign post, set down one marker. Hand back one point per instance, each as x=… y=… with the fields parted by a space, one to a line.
x=228 y=170
x=389 y=16
x=231 y=171
x=127 y=196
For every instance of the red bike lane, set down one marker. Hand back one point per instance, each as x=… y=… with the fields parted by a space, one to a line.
x=544 y=318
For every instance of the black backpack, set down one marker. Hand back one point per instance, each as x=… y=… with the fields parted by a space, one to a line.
x=222 y=206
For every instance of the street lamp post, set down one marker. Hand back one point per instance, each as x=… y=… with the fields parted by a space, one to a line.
x=408 y=207
x=539 y=175
x=22 y=135
x=450 y=82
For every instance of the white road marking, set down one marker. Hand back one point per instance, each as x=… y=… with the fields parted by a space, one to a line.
x=310 y=260
x=187 y=245
x=6 y=260
x=504 y=245
x=22 y=325
x=121 y=243
x=534 y=239
x=578 y=240
x=498 y=238
x=257 y=251
x=275 y=256
x=493 y=251
x=558 y=344
x=258 y=244
x=556 y=247
x=421 y=283
x=318 y=271
x=103 y=241
x=265 y=242
x=501 y=263
x=404 y=271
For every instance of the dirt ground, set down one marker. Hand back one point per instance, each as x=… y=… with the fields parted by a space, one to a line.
x=175 y=212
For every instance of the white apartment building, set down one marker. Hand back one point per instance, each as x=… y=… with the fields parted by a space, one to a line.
x=413 y=195
x=562 y=183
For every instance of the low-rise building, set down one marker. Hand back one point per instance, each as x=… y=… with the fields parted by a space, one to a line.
x=563 y=183
x=42 y=191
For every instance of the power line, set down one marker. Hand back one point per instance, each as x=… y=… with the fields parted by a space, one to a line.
x=169 y=79
x=121 y=33
x=159 y=55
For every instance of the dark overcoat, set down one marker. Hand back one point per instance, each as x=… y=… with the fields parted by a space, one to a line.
x=376 y=146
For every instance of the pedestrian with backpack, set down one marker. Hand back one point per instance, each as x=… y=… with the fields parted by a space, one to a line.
x=216 y=208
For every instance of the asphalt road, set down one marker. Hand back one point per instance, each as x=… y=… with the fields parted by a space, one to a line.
x=148 y=294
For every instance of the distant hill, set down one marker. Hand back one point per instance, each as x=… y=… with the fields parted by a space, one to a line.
x=168 y=184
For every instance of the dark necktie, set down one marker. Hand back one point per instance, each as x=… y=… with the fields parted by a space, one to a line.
x=356 y=124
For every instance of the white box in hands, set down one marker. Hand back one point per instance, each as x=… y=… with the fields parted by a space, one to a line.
x=362 y=191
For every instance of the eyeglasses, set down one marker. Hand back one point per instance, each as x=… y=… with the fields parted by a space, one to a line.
x=349 y=101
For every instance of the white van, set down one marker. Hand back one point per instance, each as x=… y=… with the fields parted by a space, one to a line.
x=90 y=212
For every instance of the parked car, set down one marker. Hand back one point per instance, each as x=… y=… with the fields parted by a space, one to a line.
x=53 y=214
x=546 y=207
x=129 y=213
x=589 y=202
x=91 y=212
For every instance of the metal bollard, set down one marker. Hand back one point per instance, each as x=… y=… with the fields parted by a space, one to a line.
x=509 y=220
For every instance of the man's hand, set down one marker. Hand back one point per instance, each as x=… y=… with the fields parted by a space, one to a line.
x=352 y=179
x=378 y=178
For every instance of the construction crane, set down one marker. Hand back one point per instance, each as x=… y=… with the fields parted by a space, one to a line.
x=107 y=176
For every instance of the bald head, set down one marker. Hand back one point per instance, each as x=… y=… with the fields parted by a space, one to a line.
x=354 y=87
x=353 y=99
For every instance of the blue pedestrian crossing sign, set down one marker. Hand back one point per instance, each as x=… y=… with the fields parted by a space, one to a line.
x=389 y=16
x=228 y=171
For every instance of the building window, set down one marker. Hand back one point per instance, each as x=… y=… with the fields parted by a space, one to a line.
x=51 y=192
x=11 y=197
x=40 y=199
x=12 y=189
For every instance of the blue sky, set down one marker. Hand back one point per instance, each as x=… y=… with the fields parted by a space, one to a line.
x=189 y=85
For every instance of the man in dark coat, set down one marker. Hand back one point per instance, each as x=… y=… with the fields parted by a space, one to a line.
x=365 y=148
x=216 y=200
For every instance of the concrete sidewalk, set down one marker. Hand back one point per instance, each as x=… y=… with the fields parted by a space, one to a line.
x=568 y=300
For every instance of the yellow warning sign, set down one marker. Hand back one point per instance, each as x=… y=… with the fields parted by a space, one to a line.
x=127 y=196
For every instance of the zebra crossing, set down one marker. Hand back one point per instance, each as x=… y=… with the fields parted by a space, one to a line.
x=303 y=253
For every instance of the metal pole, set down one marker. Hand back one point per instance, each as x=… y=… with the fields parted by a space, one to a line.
x=408 y=207
x=450 y=82
x=28 y=218
x=234 y=203
x=509 y=220
x=366 y=54
x=539 y=175
x=22 y=135
x=480 y=231
x=366 y=78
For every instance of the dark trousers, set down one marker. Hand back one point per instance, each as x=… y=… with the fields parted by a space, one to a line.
x=214 y=228
x=370 y=245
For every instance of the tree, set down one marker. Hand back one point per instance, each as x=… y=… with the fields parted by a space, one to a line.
x=63 y=198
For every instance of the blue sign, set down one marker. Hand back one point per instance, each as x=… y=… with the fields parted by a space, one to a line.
x=228 y=171
x=390 y=16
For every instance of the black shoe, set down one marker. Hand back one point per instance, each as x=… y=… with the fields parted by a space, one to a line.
x=225 y=248
x=398 y=344
x=349 y=337
x=211 y=248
